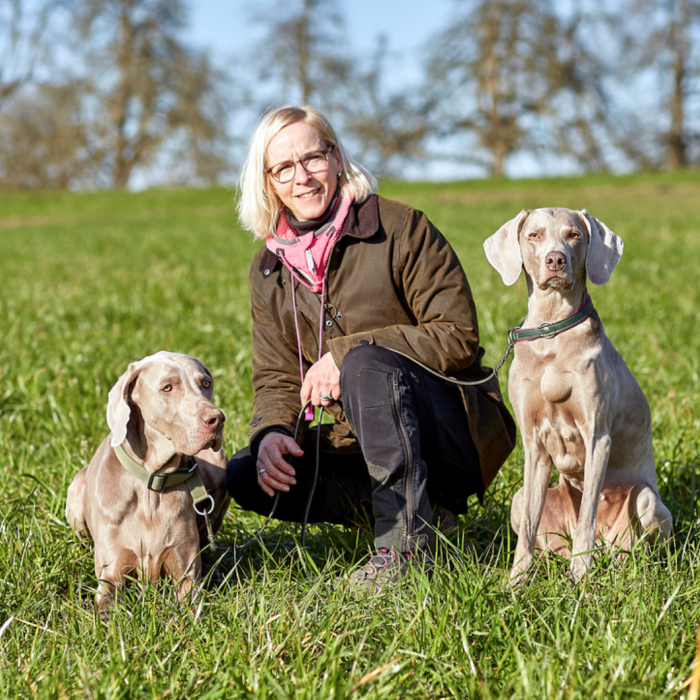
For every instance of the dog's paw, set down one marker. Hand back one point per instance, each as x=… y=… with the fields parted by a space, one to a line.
x=519 y=578
x=580 y=565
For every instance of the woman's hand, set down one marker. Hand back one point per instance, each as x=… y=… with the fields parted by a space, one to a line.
x=274 y=472
x=322 y=383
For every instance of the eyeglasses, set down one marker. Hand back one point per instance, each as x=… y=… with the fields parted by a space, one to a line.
x=315 y=162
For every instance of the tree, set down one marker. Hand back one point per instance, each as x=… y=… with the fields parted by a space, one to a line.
x=45 y=139
x=389 y=127
x=514 y=76
x=301 y=52
x=25 y=35
x=155 y=96
x=307 y=58
x=661 y=58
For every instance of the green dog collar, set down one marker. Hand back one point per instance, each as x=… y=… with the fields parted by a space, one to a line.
x=159 y=482
x=549 y=330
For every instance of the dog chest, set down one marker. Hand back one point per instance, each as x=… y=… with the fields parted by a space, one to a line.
x=556 y=385
x=563 y=442
x=546 y=406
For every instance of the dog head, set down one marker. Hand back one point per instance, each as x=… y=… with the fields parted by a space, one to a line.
x=556 y=247
x=167 y=397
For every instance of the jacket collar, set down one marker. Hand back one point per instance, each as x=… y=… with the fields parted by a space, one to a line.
x=361 y=222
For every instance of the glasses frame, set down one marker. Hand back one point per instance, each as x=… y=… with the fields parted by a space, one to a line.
x=325 y=153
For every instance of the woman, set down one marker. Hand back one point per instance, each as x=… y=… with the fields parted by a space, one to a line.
x=359 y=305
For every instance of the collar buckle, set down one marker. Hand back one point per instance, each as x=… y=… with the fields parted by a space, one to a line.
x=159 y=487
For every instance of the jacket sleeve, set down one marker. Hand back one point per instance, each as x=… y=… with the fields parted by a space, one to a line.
x=433 y=286
x=276 y=381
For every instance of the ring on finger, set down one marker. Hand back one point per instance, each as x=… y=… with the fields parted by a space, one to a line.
x=261 y=471
x=327 y=398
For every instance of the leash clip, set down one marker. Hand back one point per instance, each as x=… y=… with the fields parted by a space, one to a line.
x=205 y=514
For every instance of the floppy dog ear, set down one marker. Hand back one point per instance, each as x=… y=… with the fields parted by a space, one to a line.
x=503 y=249
x=118 y=409
x=604 y=249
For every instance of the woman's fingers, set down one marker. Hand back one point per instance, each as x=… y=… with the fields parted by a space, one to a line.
x=322 y=382
x=271 y=478
x=269 y=484
x=275 y=473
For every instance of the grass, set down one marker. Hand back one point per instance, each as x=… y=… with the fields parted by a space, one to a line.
x=94 y=281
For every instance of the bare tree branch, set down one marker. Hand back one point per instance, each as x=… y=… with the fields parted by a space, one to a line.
x=517 y=76
x=24 y=40
x=304 y=52
x=153 y=90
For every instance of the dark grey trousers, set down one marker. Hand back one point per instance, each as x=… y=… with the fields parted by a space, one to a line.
x=416 y=452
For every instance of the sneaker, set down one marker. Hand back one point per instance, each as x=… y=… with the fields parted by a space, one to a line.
x=384 y=568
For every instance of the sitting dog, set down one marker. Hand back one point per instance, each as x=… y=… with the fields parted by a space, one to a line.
x=134 y=498
x=577 y=404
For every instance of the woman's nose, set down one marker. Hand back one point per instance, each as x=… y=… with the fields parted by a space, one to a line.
x=301 y=176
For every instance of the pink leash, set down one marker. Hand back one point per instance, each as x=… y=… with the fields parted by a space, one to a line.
x=309 y=416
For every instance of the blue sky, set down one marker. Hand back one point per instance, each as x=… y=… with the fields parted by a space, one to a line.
x=407 y=24
x=225 y=28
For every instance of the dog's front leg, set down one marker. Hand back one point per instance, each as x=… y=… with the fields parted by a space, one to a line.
x=112 y=564
x=528 y=505
x=583 y=544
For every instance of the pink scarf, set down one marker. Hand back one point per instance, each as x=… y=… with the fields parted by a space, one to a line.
x=307 y=254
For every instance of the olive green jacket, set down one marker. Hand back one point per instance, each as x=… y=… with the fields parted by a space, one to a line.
x=393 y=280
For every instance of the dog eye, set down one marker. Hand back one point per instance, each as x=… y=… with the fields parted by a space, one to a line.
x=532 y=234
x=206 y=383
x=167 y=387
x=575 y=235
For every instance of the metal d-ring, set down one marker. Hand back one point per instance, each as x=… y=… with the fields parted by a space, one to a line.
x=208 y=512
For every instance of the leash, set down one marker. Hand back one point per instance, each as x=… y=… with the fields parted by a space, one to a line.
x=515 y=335
x=159 y=482
x=192 y=476
x=519 y=334
x=309 y=498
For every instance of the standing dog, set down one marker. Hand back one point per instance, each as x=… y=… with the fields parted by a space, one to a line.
x=159 y=410
x=578 y=406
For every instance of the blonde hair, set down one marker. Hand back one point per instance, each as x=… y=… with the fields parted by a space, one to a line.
x=258 y=205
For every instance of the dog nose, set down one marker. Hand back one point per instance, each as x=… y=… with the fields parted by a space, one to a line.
x=213 y=418
x=555 y=261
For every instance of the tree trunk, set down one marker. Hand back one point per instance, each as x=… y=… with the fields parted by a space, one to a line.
x=304 y=33
x=500 y=151
x=120 y=168
x=677 y=143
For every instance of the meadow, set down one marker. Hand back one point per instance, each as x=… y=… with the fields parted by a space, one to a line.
x=93 y=281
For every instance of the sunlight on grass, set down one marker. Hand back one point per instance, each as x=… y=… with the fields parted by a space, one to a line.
x=95 y=281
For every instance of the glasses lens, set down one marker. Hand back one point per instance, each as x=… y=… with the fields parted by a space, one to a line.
x=314 y=162
x=284 y=173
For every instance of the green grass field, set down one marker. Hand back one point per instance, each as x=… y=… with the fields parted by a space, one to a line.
x=91 y=282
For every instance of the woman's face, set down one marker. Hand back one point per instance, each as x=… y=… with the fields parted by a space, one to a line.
x=306 y=195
